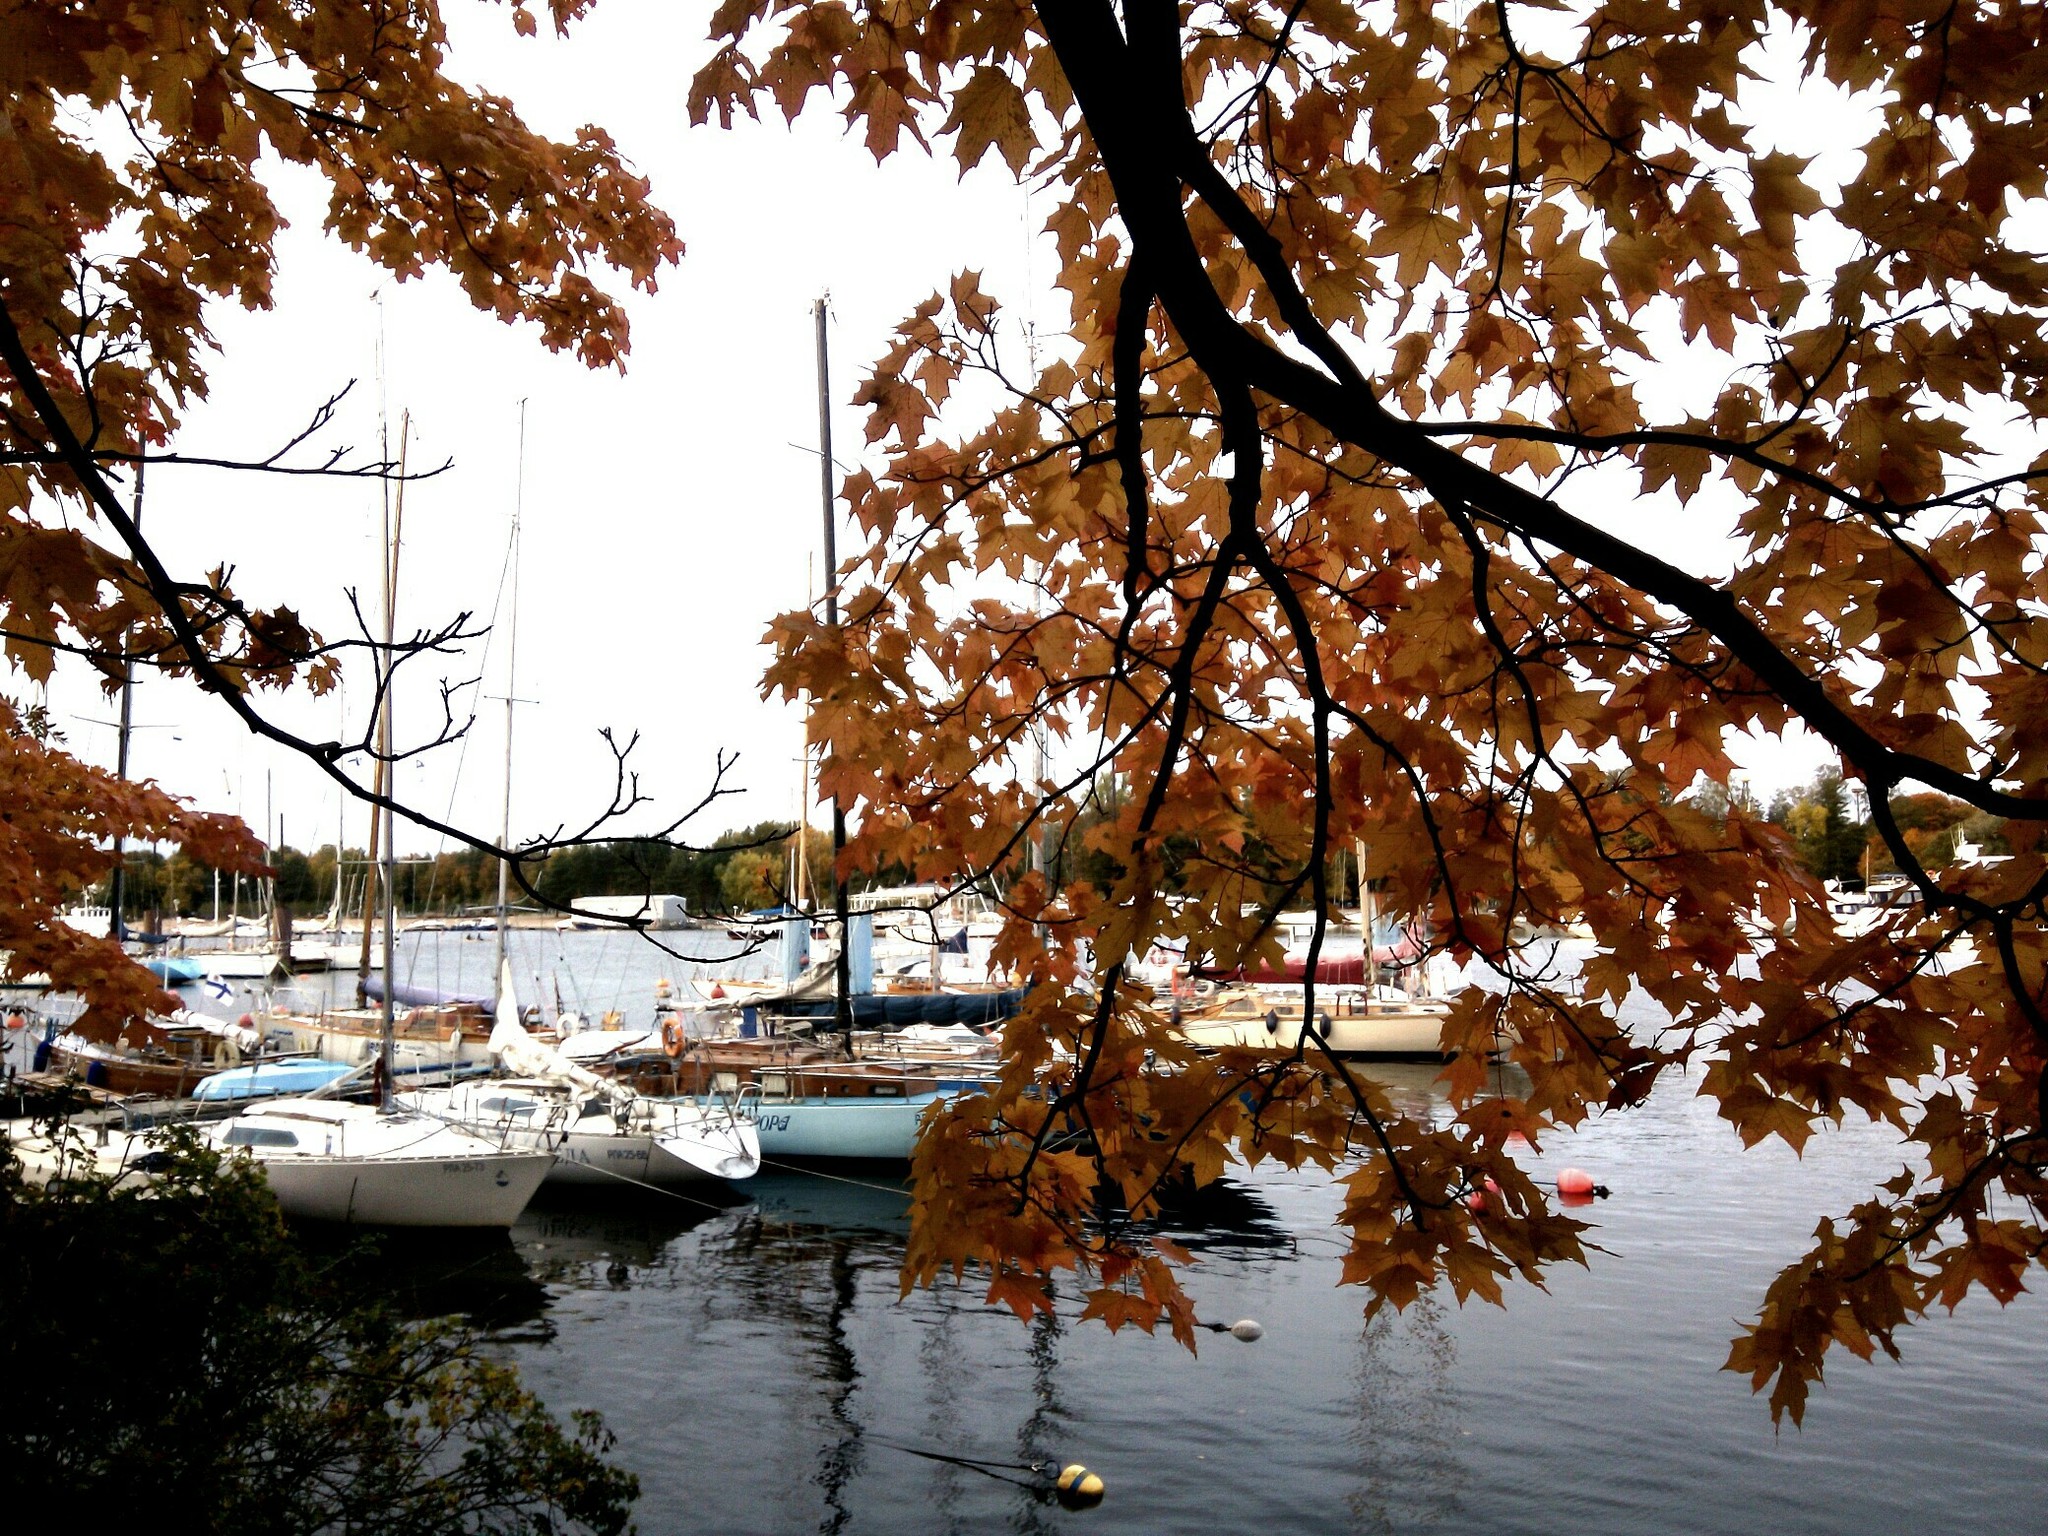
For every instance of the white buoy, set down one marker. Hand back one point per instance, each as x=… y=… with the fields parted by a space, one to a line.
x=1246 y=1331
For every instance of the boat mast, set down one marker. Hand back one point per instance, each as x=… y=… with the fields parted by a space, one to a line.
x=115 y=891
x=269 y=883
x=394 y=539
x=1371 y=971
x=511 y=673
x=340 y=827
x=370 y=865
x=802 y=889
x=842 y=966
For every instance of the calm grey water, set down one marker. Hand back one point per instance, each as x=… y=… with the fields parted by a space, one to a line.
x=761 y=1372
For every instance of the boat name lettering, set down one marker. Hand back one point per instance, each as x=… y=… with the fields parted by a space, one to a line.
x=772 y=1122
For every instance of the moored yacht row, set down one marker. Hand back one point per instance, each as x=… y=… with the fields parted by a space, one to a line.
x=467 y=1097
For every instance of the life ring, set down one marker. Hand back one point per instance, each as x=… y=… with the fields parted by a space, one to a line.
x=672 y=1037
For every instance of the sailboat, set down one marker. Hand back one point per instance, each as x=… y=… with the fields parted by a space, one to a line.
x=599 y=1131
x=328 y=1160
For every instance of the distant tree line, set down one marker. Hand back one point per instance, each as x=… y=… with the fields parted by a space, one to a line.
x=752 y=867
x=747 y=868
x=1832 y=831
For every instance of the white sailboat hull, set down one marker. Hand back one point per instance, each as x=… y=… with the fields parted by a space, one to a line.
x=472 y=1191
x=661 y=1143
x=330 y=1161
x=664 y=1162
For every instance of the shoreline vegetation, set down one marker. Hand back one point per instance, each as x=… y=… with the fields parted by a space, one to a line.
x=176 y=1341
x=748 y=868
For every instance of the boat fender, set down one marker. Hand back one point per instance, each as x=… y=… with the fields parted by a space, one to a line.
x=672 y=1037
x=455 y=1036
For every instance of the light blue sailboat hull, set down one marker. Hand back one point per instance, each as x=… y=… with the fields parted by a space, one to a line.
x=876 y=1129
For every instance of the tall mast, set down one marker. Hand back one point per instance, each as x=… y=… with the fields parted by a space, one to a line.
x=271 y=841
x=511 y=673
x=1366 y=921
x=843 y=965
x=116 y=893
x=397 y=540
x=803 y=889
x=371 y=865
x=340 y=827
x=377 y=776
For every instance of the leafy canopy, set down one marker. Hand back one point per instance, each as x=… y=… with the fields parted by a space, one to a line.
x=137 y=148
x=1403 y=341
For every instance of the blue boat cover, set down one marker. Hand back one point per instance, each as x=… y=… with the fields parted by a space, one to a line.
x=894 y=1010
x=264 y=1079
x=410 y=996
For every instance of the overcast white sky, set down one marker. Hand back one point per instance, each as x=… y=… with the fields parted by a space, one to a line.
x=667 y=515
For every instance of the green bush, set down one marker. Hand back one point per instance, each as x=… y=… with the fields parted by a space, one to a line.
x=171 y=1354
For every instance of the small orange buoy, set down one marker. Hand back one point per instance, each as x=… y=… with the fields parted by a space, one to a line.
x=717 y=990
x=1476 y=1201
x=1078 y=1488
x=247 y=1021
x=17 y=1021
x=1574 y=1181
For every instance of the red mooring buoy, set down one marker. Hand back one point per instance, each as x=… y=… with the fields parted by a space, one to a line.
x=1574 y=1181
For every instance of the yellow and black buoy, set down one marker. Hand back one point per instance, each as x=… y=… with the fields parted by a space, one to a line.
x=1078 y=1488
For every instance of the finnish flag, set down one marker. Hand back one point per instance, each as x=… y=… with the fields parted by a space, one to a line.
x=219 y=988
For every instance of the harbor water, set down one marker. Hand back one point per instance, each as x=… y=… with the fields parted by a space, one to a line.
x=763 y=1374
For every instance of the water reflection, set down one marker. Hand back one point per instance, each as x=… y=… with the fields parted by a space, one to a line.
x=869 y=1202
x=1040 y=1434
x=763 y=1374
x=581 y=1243
x=1408 y=1423
x=480 y=1278
x=1223 y=1216
x=840 y=1460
